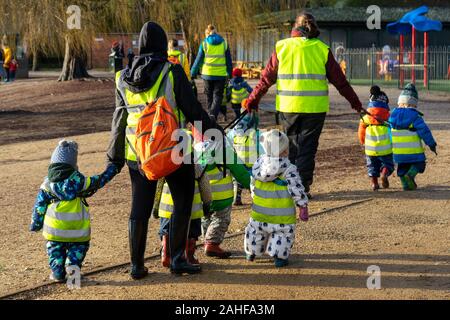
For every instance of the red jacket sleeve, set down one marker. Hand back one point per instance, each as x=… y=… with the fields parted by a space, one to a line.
x=268 y=79
x=338 y=79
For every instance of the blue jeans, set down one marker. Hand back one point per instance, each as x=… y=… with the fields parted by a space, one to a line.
x=375 y=164
x=195 y=228
x=403 y=168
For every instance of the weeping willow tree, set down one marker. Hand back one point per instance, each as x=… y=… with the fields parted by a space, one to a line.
x=43 y=23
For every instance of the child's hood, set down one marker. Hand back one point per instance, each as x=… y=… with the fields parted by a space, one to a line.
x=402 y=118
x=65 y=189
x=214 y=39
x=268 y=168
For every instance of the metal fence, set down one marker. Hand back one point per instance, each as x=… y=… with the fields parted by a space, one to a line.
x=367 y=66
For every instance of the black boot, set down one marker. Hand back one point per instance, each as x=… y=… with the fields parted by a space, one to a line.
x=179 y=227
x=138 y=239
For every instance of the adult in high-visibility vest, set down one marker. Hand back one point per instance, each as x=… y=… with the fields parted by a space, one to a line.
x=61 y=210
x=408 y=131
x=177 y=56
x=374 y=134
x=215 y=64
x=301 y=66
x=136 y=87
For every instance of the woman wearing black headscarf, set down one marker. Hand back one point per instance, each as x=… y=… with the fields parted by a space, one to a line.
x=144 y=73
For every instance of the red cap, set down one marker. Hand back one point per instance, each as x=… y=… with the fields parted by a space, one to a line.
x=237 y=72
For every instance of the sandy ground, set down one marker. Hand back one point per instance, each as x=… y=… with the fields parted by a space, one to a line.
x=406 y=234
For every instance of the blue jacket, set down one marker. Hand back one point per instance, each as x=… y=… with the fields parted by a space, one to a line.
x=402 y=119
x=238 y=83
x=213 y=39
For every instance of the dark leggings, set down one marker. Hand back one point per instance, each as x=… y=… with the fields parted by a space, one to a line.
x=181 y=185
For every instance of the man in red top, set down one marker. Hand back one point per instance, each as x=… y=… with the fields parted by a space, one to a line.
x=305 y=125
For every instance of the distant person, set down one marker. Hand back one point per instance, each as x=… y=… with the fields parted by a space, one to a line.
x=130 y=57
x=7 y=57
x=61 y=210
x=301 y=66
x=214 y=60
x=176 y=56
x=277 y=193
x=118 y=54
x=374 y=134
x=2 y=61
x=13 y=69
x=240 y=91
x=408 y=131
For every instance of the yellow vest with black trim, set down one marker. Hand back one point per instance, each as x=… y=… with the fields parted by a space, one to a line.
x=67 y=221
x=378 y=140
x=272 y=203
x=406 y=142
x=302 y=85
x=135 y=103
x=221 y=188
x=215 y=63
x=246 y=147
x=166 y=204
x=237 y=96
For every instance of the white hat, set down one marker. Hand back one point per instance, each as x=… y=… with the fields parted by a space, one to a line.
x=274 y=142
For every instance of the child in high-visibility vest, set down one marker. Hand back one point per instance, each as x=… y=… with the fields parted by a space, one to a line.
x=408 y=131
x=202 y=198
x=216 y=223
x=374 y=134
x=62 y=212
x=240 y=90
x=245 y=137
x=277 y=192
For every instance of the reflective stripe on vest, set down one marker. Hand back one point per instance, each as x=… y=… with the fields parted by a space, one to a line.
x=135 y=103
x=166 y=205
x=377 y=141
x=68 y=221
x=272 y=203
x=221 y=188
x=237 y=96
x=302 y=85
x=247 y=148
x=215 y=63
x=406 y=142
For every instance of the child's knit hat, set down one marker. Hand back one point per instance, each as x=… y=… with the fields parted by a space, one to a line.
x=237 y=73
x=66 y=152
x=274 y=142
x=409 y=95
x=377 y=95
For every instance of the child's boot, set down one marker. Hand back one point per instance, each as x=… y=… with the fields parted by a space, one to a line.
x=374 y=182
x=190 y=252
x=250 y=257
x=384 y=178
x=238 y=197
x=411 y=175
x=280 y=263
x=214 y=250
x=57 y=278
x=165 y=253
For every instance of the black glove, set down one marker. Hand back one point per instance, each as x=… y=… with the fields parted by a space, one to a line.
x=433 y=148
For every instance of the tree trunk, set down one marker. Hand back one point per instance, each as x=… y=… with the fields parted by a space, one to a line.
x=74 y=66
x=35 y=61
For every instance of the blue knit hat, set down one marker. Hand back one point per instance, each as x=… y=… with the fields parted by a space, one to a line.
x=66 y=152
x=409 y=95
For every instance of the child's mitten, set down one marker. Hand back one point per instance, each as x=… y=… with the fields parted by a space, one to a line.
x=304 y=214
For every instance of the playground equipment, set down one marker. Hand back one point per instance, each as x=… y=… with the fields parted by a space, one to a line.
x=410 y=23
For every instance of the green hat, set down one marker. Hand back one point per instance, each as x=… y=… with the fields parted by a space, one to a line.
x=409 y=95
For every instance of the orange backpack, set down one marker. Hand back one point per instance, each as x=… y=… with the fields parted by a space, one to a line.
x=154 y=145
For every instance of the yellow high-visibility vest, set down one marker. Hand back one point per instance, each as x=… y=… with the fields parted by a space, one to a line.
x=302 y=85
x=67 y=221
x=378 y=140
x=246 y=147
x=215 y=63
x=237 y=96
x=166 y=205
x=135 y=103
x=406 y=142
x=221 y=188
x=272 y=203
x=183 y=61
